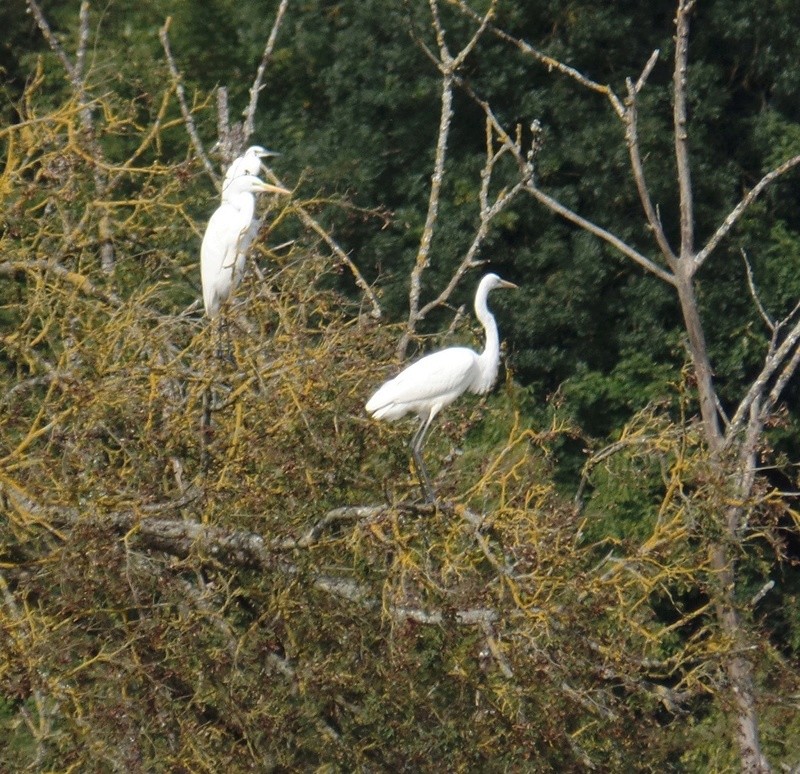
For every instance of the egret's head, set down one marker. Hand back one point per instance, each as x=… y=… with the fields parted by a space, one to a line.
x=492 y=281
x=259 y=152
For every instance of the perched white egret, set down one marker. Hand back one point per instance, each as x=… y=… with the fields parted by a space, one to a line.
x=249 y=163
x=225 y=243
x=435 y=381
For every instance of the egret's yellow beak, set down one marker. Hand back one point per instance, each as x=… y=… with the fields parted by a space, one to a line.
x=506 y=284
x=269 y=188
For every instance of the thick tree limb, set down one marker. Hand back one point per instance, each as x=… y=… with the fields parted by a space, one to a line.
x=233 y=548
x=681 y=133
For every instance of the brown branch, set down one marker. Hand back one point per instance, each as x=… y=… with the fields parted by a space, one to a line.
x=741 y=207
x=680 y=128
x=163 y=35
x=255 y=89
x=630 y=120
x=310 y=222
x=548 y=61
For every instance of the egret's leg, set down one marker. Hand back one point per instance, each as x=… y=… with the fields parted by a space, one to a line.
x=416 y=453
x=224 y=340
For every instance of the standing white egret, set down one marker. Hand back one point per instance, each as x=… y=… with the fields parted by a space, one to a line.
x=249 y=163
x=224 y=247
x=428 y=385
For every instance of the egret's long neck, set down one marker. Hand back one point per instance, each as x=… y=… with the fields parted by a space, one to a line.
x=489 y=359
x=245 y=203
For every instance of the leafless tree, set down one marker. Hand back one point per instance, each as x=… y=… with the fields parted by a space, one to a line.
x=734 y=444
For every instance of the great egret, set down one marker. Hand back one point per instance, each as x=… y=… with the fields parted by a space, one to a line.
x=428 y=385
x=249 y=163
x=224 y=247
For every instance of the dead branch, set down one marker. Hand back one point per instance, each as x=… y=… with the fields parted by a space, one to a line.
x=630 y=118
x=555 y=206
x=680 y=128
x=310 y=222
x=448 y=66
x=488 y=211
x=188 y=119
x=783 y=355
x=250 y=113
x=549 y=62
x=741 y=208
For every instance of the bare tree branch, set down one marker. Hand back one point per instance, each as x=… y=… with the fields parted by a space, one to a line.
x=785 y=353
x=423 y=252
x=681 y=132
x=550 y=63
x=255 y=89
x=606 y=236
x=488 y=211
x=55 y=44
x=447 y=66
x=163 y=35
x=310 y=222
x=630 y=119
x=740 y=209
x=530 y=186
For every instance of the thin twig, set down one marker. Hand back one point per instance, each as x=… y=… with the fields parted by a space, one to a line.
x=754 y=293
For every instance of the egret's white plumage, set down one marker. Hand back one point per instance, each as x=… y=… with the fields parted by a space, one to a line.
x=428 y=385
x=249 y=163
x=225 y=242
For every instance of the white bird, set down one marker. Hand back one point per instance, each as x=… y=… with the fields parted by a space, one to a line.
x=225 y=242
x=435 y=381
x=249 y=163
